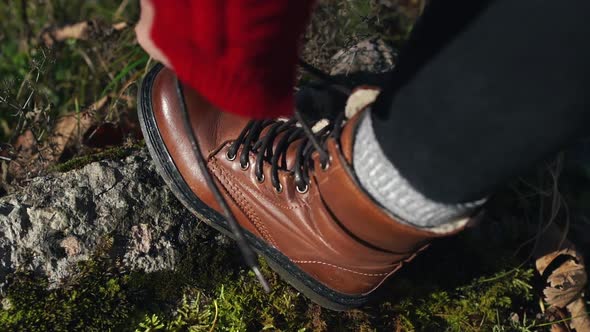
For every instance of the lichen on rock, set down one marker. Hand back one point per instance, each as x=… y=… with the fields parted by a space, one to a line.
x=58 y=219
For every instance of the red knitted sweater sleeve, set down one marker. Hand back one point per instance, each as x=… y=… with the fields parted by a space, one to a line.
x=239 y=54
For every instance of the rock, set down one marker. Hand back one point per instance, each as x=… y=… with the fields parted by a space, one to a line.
x=371 y=55
x=59 y=219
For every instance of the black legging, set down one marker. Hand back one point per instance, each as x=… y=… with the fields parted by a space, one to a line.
x=484 y=90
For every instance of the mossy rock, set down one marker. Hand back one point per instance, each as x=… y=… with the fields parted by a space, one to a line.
x=114 y=153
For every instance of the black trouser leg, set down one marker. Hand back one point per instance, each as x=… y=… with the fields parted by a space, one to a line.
x=484 y=91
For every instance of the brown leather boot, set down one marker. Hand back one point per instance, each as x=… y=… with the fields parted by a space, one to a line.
x=300 y=207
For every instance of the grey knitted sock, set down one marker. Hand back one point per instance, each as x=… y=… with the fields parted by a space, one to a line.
x=379 y=177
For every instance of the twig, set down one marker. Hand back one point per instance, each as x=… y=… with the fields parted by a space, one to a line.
x=103 y=64
x=120 y=9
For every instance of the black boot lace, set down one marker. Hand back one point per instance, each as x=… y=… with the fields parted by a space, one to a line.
x=267 y=148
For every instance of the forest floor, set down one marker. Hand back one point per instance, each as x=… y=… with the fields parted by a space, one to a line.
x=68 y=98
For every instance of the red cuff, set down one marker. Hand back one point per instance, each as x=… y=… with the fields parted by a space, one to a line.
x=241 y=55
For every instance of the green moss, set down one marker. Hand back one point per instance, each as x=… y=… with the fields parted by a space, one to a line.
x=209 y=291
x=212 y=289
x=96 y=299
x=241 y=305
x=237 y=304
x=474 y=307
x=109 y=154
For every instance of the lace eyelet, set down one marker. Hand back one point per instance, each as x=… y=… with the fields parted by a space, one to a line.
x=304 y=190
x=245 y=167
x=261 y=178
x=279 y=189
x=230 y=158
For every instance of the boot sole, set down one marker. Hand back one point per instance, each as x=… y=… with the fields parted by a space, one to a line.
x=303 y=282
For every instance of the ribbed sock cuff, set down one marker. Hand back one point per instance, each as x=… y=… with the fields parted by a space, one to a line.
x=382 y=181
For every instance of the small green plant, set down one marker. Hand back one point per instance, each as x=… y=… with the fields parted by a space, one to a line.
x=192 y=315
x=151 y=323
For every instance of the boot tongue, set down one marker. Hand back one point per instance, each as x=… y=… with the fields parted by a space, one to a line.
x=232 y=126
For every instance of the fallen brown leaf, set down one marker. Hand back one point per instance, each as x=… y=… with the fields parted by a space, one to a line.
x=69 y=129
x=563 y=267
x=31 y=156
x=567 y=281
x=580 y=321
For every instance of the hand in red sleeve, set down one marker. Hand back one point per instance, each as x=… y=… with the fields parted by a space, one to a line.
x=241 y=55
x=142 y=30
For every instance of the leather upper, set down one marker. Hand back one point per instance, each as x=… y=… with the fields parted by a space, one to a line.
x=334 y=231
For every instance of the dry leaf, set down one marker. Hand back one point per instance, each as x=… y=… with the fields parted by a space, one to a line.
x=565 y=271
x=32 y=157
x=567 y=281
x=69 y=129
x=580 y=320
